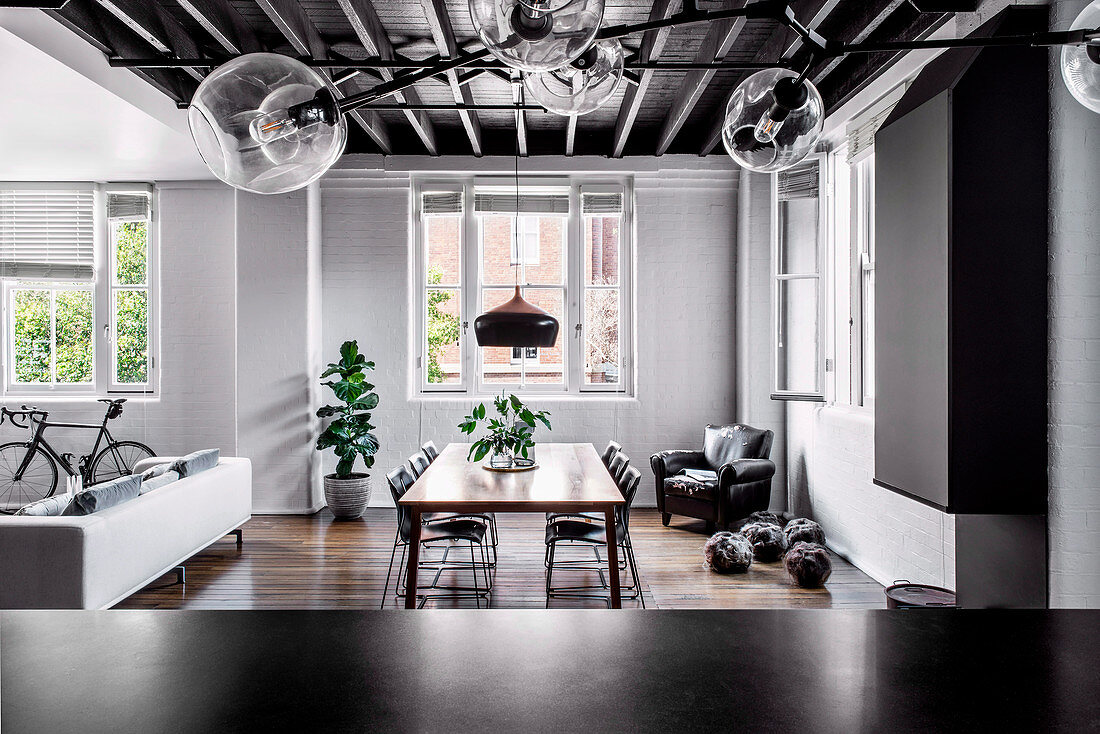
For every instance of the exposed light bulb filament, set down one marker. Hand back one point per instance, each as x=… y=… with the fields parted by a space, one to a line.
x=767 y=128
x=272 y=126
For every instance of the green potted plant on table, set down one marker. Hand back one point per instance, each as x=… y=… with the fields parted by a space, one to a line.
x=349 y=434
x=509 y=438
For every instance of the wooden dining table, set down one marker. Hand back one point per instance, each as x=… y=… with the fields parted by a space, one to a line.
x=570 y=477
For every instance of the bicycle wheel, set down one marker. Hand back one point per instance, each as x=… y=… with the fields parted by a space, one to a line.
x=39 y=481
x=118 y=459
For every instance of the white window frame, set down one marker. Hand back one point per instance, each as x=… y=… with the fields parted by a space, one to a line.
x=103 y=289
x=523 y=242
x=862 y=211
x=817 y=396
x=570 y=337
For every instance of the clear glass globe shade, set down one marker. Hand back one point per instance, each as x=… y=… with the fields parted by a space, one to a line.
x=1081 y=73
x=796 y=135
x=573 y=91
x=536 y=35
x=252 y=86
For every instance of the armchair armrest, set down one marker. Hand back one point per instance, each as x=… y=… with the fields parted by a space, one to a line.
x=668 y=463
x=743 y=471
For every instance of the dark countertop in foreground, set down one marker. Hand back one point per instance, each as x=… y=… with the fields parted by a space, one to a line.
x=594 y=671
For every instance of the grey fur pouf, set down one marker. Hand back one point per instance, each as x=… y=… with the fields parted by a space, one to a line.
x=768 y=541
x=808 y=564
x=727 y=552
x=767 y=517
x=805 y=531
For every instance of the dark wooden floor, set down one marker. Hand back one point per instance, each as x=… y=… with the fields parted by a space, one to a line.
x=302 y=562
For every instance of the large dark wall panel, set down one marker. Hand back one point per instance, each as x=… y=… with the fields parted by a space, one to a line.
x=961 y=262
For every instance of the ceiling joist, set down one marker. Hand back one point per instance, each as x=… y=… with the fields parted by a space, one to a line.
x=440 y=24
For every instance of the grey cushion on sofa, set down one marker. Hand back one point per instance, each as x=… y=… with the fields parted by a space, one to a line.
x=157 y=481
x=49 y=507
x=105 y=495
x=194 y=463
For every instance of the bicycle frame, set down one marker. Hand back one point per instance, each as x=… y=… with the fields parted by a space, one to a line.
x=38 y=440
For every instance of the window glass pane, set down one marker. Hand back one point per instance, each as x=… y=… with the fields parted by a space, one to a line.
x=798 y=236
x=31 y=335
x=443 y=249
x=73 y=336
x=444 y=358
x=601 y=250
x=132 y=336
x=796 y=341
x=131 y=259
x=540 y=245
x=546 y=365
x=601 y=336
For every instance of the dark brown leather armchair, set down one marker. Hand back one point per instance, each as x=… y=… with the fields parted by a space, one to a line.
x=738 y=454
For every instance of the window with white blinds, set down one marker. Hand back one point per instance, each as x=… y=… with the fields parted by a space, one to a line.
x=47 y=234
x=566 y=243
x=78 y=272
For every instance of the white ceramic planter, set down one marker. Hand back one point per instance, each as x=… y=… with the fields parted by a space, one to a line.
x=347 y=498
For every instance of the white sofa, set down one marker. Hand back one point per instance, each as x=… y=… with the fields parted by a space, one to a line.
x=95 y=561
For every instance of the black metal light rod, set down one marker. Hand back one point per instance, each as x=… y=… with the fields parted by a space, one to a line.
x=456 y=106
x=368 y=64
x=1053 y=38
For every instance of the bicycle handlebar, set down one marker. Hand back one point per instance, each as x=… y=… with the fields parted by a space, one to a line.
x=16 y=416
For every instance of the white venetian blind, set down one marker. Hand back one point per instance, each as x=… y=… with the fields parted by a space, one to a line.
x=602 y=204
x=800 y=182
x=127 y=206
x=47 y=234
x=550 y=201
x=861 y=132
x=441 y=202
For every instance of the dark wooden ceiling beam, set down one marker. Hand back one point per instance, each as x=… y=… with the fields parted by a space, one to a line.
x=368 y=27
x=110 y=36
x=300 y=32
x=783 y=43
x=858 y=70
x=716 y=44
x=224 y=24
x=857 y=27
x=443 y=34
x=156 y=26
x=653 y=42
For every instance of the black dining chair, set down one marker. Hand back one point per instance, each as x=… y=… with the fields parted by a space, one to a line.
x=619 y=464
x=613 y=447
x=466 y=529
x=593 y=534
x=418 y=464
x=430 y=450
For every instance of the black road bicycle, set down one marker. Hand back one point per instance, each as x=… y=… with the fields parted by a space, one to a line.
x=28 y=469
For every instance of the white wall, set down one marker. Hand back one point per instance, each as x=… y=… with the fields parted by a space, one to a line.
x=197 y=403
x=1074 y=347
x=685 y=285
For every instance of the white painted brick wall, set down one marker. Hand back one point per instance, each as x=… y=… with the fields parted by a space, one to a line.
x=196 y=407
x=1074 y=346
x=686 y=226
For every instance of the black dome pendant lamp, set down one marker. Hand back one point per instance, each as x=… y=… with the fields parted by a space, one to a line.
x=518 y=322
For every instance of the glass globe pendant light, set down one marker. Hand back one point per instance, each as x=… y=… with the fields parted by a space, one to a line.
x=536 y=35
x=267 y=123
x=1081 y=64
x=773 y=120
x=582 y=86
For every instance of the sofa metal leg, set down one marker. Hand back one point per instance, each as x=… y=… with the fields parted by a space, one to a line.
x=239 y=532
x=666 y=518
x=181 y=574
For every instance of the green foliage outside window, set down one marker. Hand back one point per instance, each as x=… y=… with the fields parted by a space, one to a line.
x=442 y=327
x=73 y=321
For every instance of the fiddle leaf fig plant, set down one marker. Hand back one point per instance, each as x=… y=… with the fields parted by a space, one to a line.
x=509 y=431
x=349 y=434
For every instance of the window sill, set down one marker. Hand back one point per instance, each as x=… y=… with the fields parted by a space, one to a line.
x=89 y=398
x=465 y=399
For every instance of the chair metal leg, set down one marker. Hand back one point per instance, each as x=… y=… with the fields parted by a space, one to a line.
x=181 y=574
x=239 y=532
x=389 y=570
